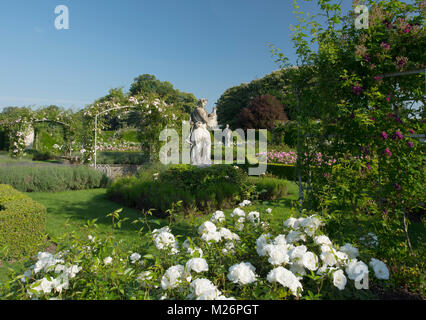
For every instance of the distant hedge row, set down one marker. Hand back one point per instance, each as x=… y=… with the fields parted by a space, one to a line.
x=22 y=224
x=52 y=178
x=282 y=171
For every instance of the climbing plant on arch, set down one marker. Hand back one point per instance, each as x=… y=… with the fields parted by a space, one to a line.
x=153 y=114
x=21 y=120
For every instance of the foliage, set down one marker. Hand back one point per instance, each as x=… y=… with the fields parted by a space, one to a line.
x=228 y=259
x=51 y=178
x=263 y=112
x=22 y=224
x=269 y=188
x=277 y=84
x=197 y=188
x=364 y=103
x=148 y=84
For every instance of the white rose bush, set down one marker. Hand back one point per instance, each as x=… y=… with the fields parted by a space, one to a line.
x=229 y=257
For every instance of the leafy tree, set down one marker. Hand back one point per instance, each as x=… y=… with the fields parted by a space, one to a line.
x=148 y=84
x=263 y=112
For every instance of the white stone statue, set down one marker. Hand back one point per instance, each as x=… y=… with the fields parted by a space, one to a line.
x=29 y=138
x=199 y=135
x=227 y=133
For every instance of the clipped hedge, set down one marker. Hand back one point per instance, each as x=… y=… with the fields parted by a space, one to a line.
x=116 y=157
x=205 y=189
x=22 y=224
x=279 y=170
x=51 y=178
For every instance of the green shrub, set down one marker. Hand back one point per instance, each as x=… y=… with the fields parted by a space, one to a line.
x=52 y=178
x=22 y=224
x=198 y=188
x=269 y=188
x=130 y=135
x=42 y=156
x=290 y=134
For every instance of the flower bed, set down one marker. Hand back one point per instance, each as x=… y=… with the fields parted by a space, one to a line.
x=239 y=256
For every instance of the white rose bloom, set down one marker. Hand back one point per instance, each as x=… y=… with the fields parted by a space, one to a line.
x=229 y=247
x=135 y=257
x=211 y=236
x=356 y=270
x=277 y=254
x=60 y=268
x=239 y=225
x=45 y=261
x=172 y=277
x=298 y=270
x=108 y=260
x=60 y=283
x=329 y=258
x=242 y=273
x=380 y=269
x=163 y=229
x=339 y=279
x=238 y=212
x=286 y=278
x=280 y=240
x=225 y=298
x=269 y=210
x=310 y=225
x=196 y=264
x=207 y=227
x=350 y=250
x=228 y=235
x=43 y=285
x=73 y=270
x=165 y=240
x=292 y=223
x=297 y=253
x=204 y=289
x=260 y=244
x=218 y=216
x=295 y=236
x=322 y=240
x=245 y=203
x=254 y=217
x=342 y=258
x=310 y=261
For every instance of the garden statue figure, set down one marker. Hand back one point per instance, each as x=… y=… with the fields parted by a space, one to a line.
x=227 y=133
x=199 y=136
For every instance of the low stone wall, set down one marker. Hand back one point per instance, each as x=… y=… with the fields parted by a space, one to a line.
x=114 y=171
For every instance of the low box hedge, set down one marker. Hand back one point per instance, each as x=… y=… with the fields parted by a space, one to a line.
x=22 y=224
x=283 y=171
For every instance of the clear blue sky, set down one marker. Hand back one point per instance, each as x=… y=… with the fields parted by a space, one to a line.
x=200 y=46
